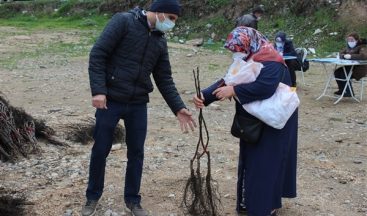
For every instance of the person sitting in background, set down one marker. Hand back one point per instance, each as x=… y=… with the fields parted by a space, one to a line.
x=285 y=47
x=355 y=50
x=251 y=20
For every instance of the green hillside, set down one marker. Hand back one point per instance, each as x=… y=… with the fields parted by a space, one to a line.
x=313 y=24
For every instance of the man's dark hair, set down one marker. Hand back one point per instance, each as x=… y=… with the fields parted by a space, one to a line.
x=246 y=20
x=258 y=9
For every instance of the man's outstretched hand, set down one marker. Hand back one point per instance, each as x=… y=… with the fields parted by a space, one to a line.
x=184 y=116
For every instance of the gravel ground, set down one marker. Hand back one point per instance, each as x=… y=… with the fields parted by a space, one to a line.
x=332 y=178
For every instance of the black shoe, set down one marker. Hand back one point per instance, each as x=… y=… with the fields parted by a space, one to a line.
x=89 y=208
x=347 y=94
x=136 y=209
x=338 y=92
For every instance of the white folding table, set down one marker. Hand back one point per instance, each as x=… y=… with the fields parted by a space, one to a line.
x=289 y=57
x=330 y=75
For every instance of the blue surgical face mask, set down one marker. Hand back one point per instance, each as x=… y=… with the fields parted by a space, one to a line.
x=165 y=25
x=352 y=44
x=279 y=44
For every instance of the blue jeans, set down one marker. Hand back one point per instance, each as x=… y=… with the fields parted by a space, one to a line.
x=135 y=119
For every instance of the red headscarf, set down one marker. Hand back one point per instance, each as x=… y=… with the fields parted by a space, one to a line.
x=253 y=43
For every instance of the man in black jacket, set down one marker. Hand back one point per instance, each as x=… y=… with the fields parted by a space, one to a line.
x=251 y=20
x=130 y=49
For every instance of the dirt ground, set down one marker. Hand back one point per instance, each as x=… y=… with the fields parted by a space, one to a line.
x=332 y=153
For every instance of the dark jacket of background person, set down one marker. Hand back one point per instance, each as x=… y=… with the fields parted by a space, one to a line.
x=357 y=53
x=288 y=50
x=122 y=61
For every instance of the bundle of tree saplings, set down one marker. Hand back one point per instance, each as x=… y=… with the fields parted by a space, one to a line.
x=19 y=132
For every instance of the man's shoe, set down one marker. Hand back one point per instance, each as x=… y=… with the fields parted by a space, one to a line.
x=136 y=209
x=89 y=208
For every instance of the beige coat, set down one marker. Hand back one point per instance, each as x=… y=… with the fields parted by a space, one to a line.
x=357 y=53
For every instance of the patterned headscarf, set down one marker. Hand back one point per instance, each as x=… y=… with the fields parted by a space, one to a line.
x=245 y=39
x=253 y=44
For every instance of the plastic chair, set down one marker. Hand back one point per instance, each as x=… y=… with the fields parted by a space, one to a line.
x=362 y=82
x=302 y=52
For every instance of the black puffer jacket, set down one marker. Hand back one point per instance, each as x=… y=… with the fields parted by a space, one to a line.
x=288 y=44
x=124 y=57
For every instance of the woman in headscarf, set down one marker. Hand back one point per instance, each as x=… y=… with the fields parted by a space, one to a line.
x=266 y=169
x=355 y=50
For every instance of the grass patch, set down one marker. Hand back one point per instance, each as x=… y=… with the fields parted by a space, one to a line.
x=218 y=3
x=44 y=52
x=69 y=49
x=67 y=22
x=302 y=30
x=11 y=60
x=204 y=28
x=214 y=46
x=50 y=8
x=83 y=15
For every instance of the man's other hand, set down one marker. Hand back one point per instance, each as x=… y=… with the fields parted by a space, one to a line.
x=99 y=101
x=184 y=116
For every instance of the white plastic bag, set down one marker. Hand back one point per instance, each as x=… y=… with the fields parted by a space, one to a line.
x=241 y=71
x=276 y=110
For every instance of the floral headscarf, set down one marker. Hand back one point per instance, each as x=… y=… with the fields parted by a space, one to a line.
x=245 y=39
x=253 y=44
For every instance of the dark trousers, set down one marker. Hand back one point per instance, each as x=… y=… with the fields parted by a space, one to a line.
x=135 y=119
x=267 y=170
x=292 y=64
x=339 y=73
